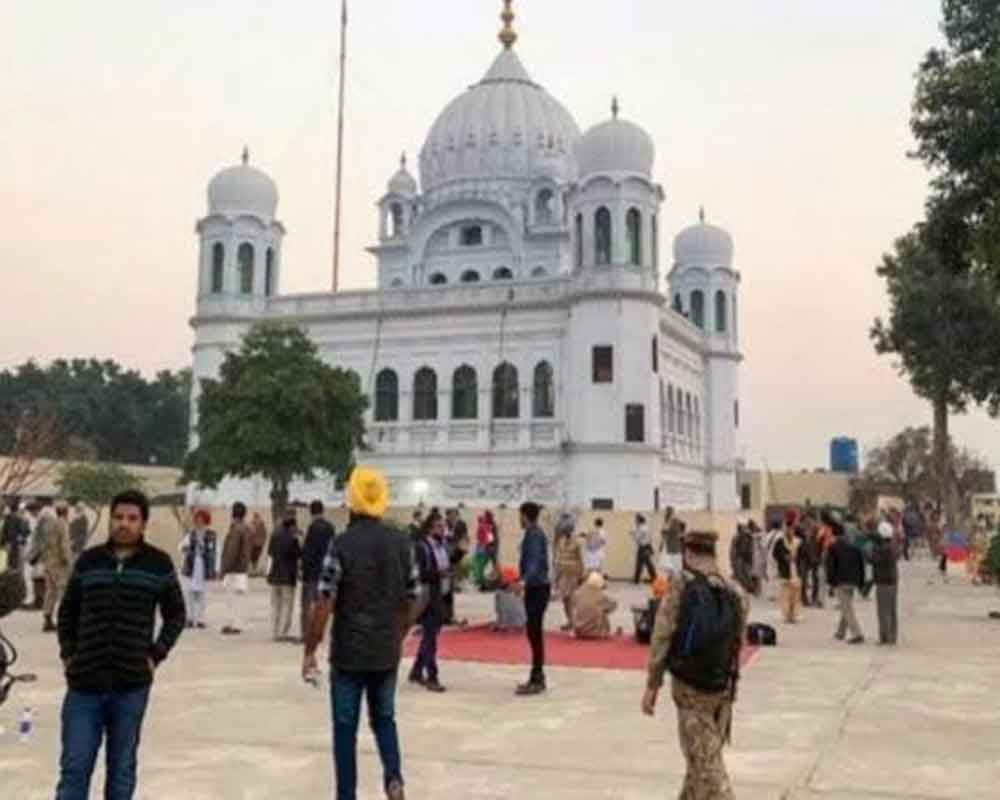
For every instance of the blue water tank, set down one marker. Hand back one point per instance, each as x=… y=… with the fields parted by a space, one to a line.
x=844 y=455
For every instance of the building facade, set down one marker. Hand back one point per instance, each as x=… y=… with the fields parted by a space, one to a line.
x=523 y=339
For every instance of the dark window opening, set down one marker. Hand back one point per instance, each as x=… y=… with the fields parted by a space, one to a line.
x=472 y=236
x=656 y=354
x=602 y=504
x=603 y=364
x=635 y=422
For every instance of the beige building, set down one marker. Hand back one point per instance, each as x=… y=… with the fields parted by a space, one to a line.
x=762 y=489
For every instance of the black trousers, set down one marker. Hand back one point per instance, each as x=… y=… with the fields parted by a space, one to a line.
x=644 y=559
x=536 y=602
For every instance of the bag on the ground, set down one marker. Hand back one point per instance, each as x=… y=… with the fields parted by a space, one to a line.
x=706 y=642
x=762 y=635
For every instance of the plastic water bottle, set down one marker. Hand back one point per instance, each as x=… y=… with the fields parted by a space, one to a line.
x=25 y=723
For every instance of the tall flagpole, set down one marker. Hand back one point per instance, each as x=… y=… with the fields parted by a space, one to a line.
x=340 y=146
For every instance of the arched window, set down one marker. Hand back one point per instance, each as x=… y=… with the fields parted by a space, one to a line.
x=544 y=213
x=579 y=240
x=502 y=274
x=425 y=394
x=395 y=220
x=470 y=276
x=678 y=303
x=386 y=396
x=218 y=267
x=505 y=392
x=543 y=403
x=538 y=272
x=698 y=308
x=464 y=393
x=720 y=312
x=678 y=406
x=438 y=279
x=697 y=422
x=655 y=232
x=689 y=415
x=633 y=227
x=269 y=272
x=396 y=283
x=245 y=259
x=602 y=236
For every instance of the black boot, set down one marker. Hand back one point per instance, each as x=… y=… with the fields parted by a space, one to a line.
x=49 y=626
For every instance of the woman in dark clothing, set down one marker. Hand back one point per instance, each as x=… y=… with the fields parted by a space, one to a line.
x=885 y=563
x=434 y=565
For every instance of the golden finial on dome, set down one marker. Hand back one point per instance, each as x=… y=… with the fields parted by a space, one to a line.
x=246 y=155
x=614 y=107
x=508 y=35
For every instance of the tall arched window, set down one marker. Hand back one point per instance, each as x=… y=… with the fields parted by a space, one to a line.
x=438 y=279
x=698 y=308
x=218 y=267
x=269 y=272
x=396 y=220
x=538 y=272
x=502 y=274
x=425 y=394
x=544 y=213
x=505 y=392
x=386 y=396
x=720 y=312
x=689 y=413
x=579 y=240
x=602 y=236
x=679 y=409
x=697 y=422
x=543 y=402
x=470 y=276
x=633 y=227
x=678 y=303
x=655 y=237
x=245 y=259
x=671 y=416
x=464 y=393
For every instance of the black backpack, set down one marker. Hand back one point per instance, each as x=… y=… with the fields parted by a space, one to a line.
x=760 y=634
x=704 y=649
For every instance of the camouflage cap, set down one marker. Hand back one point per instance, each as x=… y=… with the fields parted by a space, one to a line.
x=702 y=538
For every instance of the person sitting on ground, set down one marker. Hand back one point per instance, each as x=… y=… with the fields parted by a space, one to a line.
x=645 y=616
x=592 y=609
x=509 y=604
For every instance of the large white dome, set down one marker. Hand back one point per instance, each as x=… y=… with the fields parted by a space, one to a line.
x=616 y=145
x=243 y=190
x=703 y=245
x=504 y=127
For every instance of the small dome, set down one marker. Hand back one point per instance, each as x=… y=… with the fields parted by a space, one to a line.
x=403 y=182
x=616 y=145
x=243 y=190
x=703 y=245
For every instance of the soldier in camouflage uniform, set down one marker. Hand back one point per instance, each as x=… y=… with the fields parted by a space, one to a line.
x=703 y=718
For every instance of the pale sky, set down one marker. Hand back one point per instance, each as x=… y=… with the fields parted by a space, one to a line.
x=787 y=119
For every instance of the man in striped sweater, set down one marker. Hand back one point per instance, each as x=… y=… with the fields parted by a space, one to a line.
x=110 y=649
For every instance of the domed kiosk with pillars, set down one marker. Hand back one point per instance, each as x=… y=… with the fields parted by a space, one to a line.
x=522 y=340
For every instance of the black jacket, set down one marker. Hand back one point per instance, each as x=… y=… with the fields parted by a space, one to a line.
x=430 y=575
x=375 y=581
x=107 y=619
x=314 y=550
x=885 y=563
x=285 y=552
x=845 y=566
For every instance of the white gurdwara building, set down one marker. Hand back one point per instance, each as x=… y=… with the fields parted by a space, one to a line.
x=521 y=342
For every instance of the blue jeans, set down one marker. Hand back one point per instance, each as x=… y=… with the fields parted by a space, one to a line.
x=345 y=698
x=86 y=720
x=426 y=660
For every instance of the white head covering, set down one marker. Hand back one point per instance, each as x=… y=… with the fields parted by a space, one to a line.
x=885 y=530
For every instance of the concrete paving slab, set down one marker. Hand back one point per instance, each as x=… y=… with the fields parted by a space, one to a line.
x=817 y=719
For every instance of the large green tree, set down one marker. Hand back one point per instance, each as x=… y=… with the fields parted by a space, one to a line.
x=942 y=325
x=279 y=411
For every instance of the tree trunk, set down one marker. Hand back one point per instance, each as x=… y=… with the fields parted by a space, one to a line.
x=279 y=499
x=942 y=464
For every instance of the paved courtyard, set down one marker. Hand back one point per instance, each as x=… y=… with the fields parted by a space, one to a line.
x=817 y=720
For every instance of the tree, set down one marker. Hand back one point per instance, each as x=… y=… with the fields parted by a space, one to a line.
x=95 y=485
x=956 y=119
x=36 y=433
x=279 y=411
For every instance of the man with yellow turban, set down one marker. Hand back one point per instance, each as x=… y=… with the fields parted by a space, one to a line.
x=369 y=586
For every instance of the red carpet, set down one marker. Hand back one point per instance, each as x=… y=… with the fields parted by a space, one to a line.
x=481 y=645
